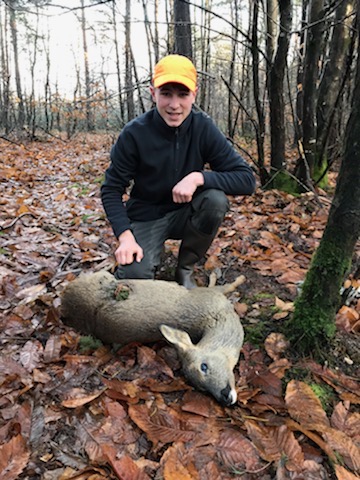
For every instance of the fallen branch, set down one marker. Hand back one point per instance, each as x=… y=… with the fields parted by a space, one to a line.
x=12 y=223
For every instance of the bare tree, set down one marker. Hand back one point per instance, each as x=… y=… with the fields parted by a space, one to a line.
x=128 y=64
x=313 y=48
x=260 y=124
x=47 y=87
x=5 y=75
x=13 y=27
x=156 y=31
x=117 y=62
x=151 y=43
x=31 y=110
x=234 y=43
x=337 y=67
x=183 y=37
x=276 y=74
x=89 y=113
x=300 y=76
x=313 y=322
x=205 y=26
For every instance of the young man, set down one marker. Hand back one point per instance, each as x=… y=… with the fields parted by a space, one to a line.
x=163 y=154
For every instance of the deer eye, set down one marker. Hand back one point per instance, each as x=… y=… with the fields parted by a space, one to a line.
x=204 y=367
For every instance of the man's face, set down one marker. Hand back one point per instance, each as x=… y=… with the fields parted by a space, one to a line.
x=174 y=102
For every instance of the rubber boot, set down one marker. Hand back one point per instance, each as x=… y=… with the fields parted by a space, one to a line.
x=192 y=249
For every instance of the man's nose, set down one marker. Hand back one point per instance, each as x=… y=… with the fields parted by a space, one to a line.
x=174 y=102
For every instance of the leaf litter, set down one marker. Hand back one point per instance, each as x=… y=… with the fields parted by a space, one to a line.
x=76 y=409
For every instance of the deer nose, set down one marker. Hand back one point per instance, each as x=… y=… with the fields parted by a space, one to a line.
x=228 y=395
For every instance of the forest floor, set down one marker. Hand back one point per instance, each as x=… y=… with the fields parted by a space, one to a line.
x=71 y=408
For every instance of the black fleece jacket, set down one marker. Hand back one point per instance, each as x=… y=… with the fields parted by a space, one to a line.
x=155 y=157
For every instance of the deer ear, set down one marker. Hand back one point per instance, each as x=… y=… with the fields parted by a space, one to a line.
x=178 y=338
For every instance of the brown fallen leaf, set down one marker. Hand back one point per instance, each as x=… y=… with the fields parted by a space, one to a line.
x=276 y=344
x=200 y=404
x=124 y=467
x=163 y=426
x=275 y=443
x=346 y=421
x=304 y=406
x=284 y=306
x=14 y=456
x=31 y=355
x=343 y=474
x=80 y=397
x=178 y=465
x=279 y=367
x=341 y=443
x=235 y=450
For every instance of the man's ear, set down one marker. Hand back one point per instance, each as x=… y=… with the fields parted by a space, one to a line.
x=178 y=338
x=152 y=91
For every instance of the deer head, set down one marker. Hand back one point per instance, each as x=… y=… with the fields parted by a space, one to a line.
x=206 y=368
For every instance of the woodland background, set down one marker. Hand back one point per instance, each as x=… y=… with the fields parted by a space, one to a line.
x=279 y=80
x=281 y=72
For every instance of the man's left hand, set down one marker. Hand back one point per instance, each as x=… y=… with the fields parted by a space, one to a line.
x=184 y=190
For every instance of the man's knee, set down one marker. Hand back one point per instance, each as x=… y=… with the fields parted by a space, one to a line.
x=215 y=200
x=210 y=210
x=141 y=269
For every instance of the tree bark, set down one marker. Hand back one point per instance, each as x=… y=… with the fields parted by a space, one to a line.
x=89 y=114
x=31 y=117
x=13 y=28
x=128 y=64
x=183 y=44
x=313 y=322
x=298 y=134
x=313 y=49
x=118 y=69
x=205 y=24
x=276 y=88
x=337 y=69
x=5 y=76
x=260 y=128
x=231 y=123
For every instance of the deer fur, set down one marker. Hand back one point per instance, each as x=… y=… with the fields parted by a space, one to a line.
x=200 y=323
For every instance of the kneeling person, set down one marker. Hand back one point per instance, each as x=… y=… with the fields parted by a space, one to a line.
x=163 y=153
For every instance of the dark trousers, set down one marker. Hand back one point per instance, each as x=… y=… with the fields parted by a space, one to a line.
x=205 y=212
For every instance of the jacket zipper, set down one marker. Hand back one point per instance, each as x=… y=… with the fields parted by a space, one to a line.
x=176 y=155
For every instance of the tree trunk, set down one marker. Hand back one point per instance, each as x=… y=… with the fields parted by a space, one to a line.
x=89 y=112
x=183 y=44
x=234 y=41
x=260 y=128
x=13 y=28
x=118 y=69
x=31 y=120
x=47 y=88
x=298 y=134
x=150 y=41
x=337 y=69
x=5 y=77
x=313 y=49
x=169 y=20
x=156 y=31
x=205 y=24
x=128 y=64
x=276 y=89
x=313 y=322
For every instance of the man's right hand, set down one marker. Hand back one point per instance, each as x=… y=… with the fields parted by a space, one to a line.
x=128 y=249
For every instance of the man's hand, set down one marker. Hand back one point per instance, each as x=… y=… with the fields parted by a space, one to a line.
x=184 y=190
x=128 y=249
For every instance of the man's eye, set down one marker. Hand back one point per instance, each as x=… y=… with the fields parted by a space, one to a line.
x=204 y=367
